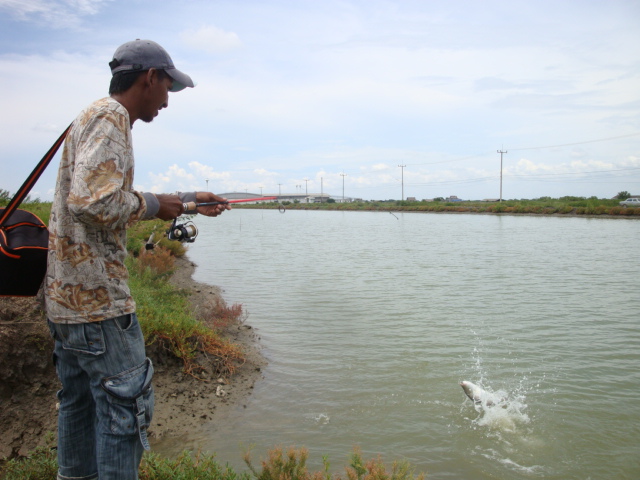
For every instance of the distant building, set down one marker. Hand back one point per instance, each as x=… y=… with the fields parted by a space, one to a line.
x=243 y=196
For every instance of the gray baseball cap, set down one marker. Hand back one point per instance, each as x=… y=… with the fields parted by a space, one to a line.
x=140 y=55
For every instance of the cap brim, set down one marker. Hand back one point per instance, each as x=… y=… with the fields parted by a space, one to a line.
x=180 y=80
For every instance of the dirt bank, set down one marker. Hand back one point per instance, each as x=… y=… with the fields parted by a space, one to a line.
x=28 y=381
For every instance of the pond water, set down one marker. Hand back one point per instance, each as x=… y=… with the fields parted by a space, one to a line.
x=370 y=320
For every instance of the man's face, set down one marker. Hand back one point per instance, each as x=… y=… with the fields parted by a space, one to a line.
x=158 y=95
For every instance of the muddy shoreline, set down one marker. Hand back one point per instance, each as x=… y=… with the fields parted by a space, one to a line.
x=183 y=404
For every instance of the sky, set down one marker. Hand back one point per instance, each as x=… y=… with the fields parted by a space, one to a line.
x=370 y=99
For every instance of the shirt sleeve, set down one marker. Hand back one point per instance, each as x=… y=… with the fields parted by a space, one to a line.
x=101 y=193
x=153 y=205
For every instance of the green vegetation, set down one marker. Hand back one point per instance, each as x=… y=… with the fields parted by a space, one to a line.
x=165 y=315
x=278 y=465
x=540 y=206
x=40 y=465
x=35 y=206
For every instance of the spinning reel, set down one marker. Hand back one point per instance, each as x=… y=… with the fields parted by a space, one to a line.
x=183 y=232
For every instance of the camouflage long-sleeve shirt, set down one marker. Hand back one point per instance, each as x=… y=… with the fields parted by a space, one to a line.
x=94 y=203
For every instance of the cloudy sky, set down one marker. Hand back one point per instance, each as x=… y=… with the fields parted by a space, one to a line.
x=373 y=95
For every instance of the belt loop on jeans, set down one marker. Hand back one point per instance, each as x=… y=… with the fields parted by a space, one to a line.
x=142 y=427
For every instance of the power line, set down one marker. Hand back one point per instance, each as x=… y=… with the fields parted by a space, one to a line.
x=453 y=182
x=453 y=160
x=529 y=148
x=572 y=173
x=522 y=177
x=578 y=143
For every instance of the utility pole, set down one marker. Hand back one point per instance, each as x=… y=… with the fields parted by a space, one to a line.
x=402 y=169
x=306 y=186
x=321 y=189
x=343 y=175
x=279 y=189
x=501 y=153
x=260 y=191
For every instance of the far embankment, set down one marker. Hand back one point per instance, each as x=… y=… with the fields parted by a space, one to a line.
x=565 y=206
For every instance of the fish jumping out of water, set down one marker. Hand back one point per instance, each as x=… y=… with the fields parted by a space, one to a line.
x=480 y=396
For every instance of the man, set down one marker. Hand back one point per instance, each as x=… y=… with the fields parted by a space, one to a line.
x=106 y=400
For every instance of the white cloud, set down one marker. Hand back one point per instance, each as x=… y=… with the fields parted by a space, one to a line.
x=211 y=39
x=380 y=166
x=207 y=172
x=264 y=173
x=54 y=13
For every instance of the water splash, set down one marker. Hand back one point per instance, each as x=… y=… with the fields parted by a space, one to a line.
x=321 y=418
x=505 y=415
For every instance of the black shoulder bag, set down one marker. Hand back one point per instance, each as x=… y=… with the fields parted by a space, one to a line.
x=24 y=238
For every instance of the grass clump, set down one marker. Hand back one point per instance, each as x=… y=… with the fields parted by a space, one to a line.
x=186 y=467
x=41 y=464
x=167 y=319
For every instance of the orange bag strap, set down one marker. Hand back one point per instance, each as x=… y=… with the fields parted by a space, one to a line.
x=33 y=178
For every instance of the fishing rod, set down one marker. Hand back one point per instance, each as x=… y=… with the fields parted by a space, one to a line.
x=187 y=232
x=193 y=205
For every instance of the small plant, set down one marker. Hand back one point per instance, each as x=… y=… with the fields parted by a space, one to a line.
x=281 y=466
x=375 y=469
x=159 y=260
x=221 y=316
x=292 y=465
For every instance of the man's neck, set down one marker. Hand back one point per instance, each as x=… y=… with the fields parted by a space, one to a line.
x=125 y=100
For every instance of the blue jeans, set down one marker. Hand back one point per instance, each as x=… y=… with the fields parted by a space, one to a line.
x=106 y=400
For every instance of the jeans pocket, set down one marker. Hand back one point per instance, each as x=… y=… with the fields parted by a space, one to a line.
x=125 y=321
x=87 y=338
x=131 y=400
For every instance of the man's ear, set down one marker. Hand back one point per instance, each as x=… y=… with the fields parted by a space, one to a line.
x=152 y=76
